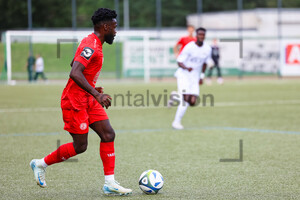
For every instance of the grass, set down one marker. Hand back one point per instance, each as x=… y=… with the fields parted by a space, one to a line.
x=264 y=114
x=55 y=67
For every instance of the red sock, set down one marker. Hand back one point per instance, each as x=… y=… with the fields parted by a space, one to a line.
x=107 y=154
x=63 y=153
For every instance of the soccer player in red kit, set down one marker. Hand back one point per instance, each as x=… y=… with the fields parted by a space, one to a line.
x=83 y=105
x=184 y=40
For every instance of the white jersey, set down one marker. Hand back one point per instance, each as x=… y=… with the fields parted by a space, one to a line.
x=193 y=56
x=39 y=64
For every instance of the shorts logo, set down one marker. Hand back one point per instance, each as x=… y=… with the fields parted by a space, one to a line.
x=83 y=126
x=87 y=53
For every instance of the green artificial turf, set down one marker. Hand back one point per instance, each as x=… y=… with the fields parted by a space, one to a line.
x=264 y=114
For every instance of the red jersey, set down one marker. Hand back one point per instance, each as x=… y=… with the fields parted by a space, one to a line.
x=184 y=41
x=89 y=53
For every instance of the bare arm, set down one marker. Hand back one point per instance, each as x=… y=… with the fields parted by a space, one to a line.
x=204 y=67
x=77 y=76
x=180 y=64
x=71 y=64
x=175 y=49
x=202 y=74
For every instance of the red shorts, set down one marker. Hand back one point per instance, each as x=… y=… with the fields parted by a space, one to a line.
x=78 y=118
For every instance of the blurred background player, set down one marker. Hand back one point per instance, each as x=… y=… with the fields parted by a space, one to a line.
x=178 y=48
x=184 y=40
x=215 y=55
x=39 y=67
x=83 y=105
x=30 y=65
x=192 y=64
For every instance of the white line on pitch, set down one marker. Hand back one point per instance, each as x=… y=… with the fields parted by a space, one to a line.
x=221 y=104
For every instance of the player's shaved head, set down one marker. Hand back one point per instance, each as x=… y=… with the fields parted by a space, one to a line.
x=103 y=15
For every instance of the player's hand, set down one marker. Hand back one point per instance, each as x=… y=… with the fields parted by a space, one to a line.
x=201 y=81
x=189 y=69
x=99 y=89
x=104 y=100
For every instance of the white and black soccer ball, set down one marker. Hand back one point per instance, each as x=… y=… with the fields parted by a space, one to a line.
x=151 y=181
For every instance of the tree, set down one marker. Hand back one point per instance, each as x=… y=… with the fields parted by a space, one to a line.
x=58 y=13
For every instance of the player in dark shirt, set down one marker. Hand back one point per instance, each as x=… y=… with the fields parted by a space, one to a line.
x=215 y=55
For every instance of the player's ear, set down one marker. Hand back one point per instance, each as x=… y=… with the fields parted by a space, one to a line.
x=105 y=26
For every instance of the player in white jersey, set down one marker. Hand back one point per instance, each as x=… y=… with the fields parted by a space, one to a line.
x=192 y=64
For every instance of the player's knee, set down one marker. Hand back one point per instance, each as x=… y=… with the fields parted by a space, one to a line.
x=80 y=148
x=109 y=136
x=186 y=98
x=192 y=102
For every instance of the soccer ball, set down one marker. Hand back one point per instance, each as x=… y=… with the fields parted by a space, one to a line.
x=151 y=181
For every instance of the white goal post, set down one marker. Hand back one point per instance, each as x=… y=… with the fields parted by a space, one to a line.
x=149 y=53
x=53 y=36
x=144 y=52
x=50 y=37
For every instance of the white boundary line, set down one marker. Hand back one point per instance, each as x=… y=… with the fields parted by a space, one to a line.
x=221 y=104
x=122 y=131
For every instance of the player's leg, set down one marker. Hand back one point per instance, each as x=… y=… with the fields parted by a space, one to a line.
x=173 y=98
x=192 y=100
x=209 y=74
x=189 y=98
x=210 y=70
x=183 y=90
x=43 y=76
x=107 y=154
x=35 y=76
x=64 y=152
x=68 y=150
x=29 y=74
x=220 y=79
x=181 y=109
x=75 y=122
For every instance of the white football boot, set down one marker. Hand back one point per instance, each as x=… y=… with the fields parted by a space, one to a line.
x=114 y=188
x=220 y=81
x=39 y=173
x=208 y=81
x=177 y=125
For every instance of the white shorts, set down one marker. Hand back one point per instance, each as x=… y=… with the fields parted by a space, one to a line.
x=187 y=85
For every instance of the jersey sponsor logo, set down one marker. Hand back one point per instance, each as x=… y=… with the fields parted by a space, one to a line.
x=87 y=53
x=83 y=126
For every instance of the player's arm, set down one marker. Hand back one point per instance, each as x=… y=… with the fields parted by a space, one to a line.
x=202 y=75
x=176 y=50
x=180 y=64
x=99 y=89
x=77 y=76
x=177 y=47
x=71 y=64
x=182 y=57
